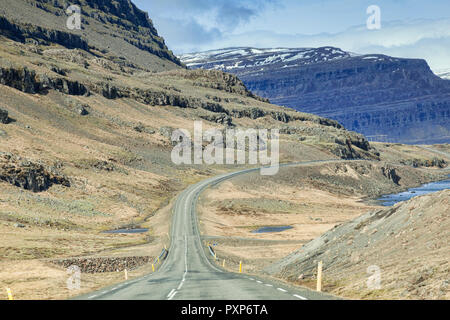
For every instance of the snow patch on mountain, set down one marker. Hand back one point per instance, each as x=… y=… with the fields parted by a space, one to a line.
x=243 y=57
x=443 y=73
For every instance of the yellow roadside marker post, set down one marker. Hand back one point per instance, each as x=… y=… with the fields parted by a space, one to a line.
x=10 y=296
x=215 y=256
x=126 y=274
x=319 y=276
x=240 y=267
x=153 y=267
x=223 y=263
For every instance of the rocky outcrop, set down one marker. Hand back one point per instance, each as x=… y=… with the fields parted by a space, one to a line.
x=166 y=132
x=252 y=113
x=391 y=174
x=97 y=165
x=28 y=175
x=107 y=264
x=342 y=143
x=21 y=32
x=166 y=98
x=221 y=118
x=220 y=81
x=28 y=81
x=256 y=113
x=417 y=163
x=143 y=129
x=4 y=116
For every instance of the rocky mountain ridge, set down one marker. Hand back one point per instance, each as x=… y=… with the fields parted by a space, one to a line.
x=117 y=28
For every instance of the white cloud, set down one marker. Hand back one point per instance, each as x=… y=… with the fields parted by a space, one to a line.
x=427 y=39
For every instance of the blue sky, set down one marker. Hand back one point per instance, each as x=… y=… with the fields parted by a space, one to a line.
x=409 y=28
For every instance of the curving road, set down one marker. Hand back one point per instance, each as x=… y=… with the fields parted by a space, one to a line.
x=436 y=151
x=188 y=274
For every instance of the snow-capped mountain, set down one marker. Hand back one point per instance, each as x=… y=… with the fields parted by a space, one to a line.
x=374 y=94
x=253 y=59
x=443 y=73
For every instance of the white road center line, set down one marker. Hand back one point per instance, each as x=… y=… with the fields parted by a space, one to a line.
x=170 y=293
x=300 y=297
x=180 y=285
x=282 y=290
x=173 y=295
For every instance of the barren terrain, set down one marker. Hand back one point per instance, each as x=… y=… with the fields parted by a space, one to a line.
x=86 y=120
x=311 y=199
x=405 y=247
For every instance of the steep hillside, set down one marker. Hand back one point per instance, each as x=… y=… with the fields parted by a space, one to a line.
x=407 y=244
x=400 y=100
x=117 y=29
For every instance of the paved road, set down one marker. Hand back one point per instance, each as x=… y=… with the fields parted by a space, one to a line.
x=188 y=274
x=436 y=151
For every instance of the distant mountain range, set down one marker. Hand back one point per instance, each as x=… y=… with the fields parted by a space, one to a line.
x=385 y=98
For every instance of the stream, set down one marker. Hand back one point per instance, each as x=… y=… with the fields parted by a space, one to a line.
x=392 y=199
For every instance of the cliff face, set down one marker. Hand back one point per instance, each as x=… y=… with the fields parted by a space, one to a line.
x=117 y=28
x=395 y=99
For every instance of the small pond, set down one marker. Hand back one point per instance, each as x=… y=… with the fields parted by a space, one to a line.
x=127 y=231
x=272 y=229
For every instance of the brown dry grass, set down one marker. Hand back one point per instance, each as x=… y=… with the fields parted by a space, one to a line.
x=308 y=213
x=305 y=198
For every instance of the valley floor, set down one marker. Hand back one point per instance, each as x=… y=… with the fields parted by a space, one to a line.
x=312 y=200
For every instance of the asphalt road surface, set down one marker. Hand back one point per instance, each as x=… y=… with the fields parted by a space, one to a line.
x=436 y=151
x=188 y=274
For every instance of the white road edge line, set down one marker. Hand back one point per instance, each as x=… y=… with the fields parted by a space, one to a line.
x=300 y=297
